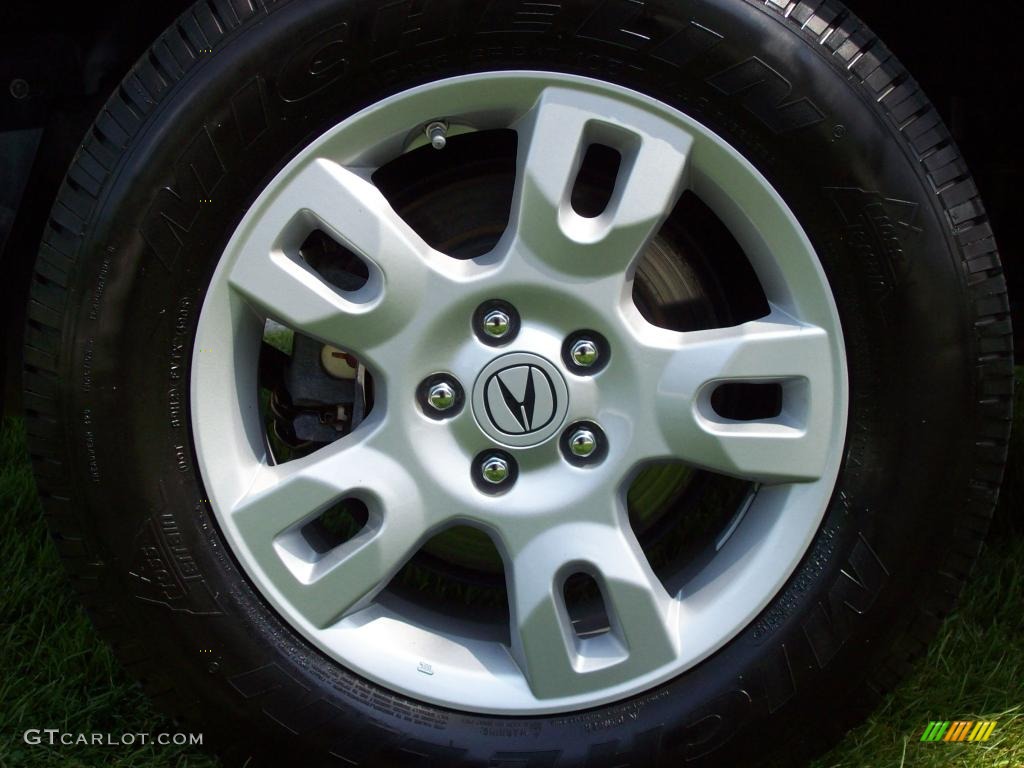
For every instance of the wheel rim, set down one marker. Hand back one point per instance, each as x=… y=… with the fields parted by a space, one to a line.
x=651 y=400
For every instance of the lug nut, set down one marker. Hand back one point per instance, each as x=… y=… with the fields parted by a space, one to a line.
x=495 y=470
x=584 y=353
x=441 y=396
x=583 y=443
x=437 y=132
x=497 y=324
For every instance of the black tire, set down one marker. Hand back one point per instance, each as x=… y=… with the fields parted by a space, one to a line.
x=806 y=92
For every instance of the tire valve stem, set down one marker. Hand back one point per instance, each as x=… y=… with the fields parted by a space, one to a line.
x=437 y=132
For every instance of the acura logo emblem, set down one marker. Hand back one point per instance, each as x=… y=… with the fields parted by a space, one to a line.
x=521 y=399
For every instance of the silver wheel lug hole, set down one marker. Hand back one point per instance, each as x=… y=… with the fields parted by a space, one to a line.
x=440 y=396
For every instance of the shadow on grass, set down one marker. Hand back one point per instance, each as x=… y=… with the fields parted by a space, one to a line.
x=55 y=672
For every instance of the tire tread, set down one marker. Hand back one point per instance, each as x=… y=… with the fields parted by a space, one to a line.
x=883 y=79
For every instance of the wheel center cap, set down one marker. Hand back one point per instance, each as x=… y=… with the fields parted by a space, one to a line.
x=520 y=399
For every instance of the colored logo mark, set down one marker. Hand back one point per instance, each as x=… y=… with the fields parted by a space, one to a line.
x=958 y=730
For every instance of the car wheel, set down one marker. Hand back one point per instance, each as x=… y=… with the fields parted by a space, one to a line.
x=476 y=384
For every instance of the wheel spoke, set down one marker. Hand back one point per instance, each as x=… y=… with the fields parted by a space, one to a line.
x=270 y=274
x=555 y=136
x=643 y=633
x=353 y=574
x=285 y=497
x=789 y=447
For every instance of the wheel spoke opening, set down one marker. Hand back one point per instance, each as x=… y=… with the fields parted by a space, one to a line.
x=332 y=261
x=437 y=193
x=585 y=605
x=454 y=583
x=747 y=401
x=595 y=180
x=311 y=394
x=694 y=275
x=336 y=525
x=316 y=536
x=680 y=515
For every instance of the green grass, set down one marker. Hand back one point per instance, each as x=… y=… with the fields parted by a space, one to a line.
x=974 y=671
x=54 y=670
x=56 y=673
x=975 y=667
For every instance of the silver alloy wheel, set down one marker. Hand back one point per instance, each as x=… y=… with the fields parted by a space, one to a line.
x=562 y=272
